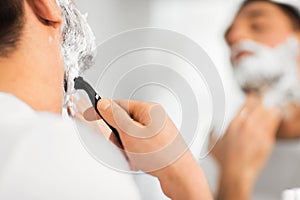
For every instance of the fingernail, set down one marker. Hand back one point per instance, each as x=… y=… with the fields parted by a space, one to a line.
x=104 y=104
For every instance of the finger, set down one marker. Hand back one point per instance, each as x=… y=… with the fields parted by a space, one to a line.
x=150 y=115
x=139 y=119
x=91 y=115
x=273 y=119
x=79 y=117
x=251 y=102
x=114 y=140
x=81 y=103
x=137 y=110
x=70 y=107
x=115 y=115
x=71 y=111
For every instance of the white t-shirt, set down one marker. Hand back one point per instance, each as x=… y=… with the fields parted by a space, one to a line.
x=41 y=157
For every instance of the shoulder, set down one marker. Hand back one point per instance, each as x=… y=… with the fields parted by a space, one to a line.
x=47 y=160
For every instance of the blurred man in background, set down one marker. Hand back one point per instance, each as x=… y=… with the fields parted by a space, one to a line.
x=264 y=39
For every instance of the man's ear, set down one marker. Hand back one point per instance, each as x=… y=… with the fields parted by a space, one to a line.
x=47 y=11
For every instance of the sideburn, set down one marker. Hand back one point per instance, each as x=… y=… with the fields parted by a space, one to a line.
x=11 y=25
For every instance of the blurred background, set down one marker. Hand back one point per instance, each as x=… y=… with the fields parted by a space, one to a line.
x=203 y=21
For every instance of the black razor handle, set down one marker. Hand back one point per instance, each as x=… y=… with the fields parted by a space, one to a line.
x=81 y=84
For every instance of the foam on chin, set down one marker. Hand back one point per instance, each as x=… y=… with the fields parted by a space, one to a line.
x=272 y=72
x=78 y=45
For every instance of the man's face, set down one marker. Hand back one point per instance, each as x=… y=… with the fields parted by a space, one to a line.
x=264 y=23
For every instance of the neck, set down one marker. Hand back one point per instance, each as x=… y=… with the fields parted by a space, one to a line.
x=34 y=72
x=29 y=77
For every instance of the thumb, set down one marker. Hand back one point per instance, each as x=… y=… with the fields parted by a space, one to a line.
x=91 y=115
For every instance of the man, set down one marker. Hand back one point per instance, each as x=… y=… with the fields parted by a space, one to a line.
x=41 y=156
x=264 y=38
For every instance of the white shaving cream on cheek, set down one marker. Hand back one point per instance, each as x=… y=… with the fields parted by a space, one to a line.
x=78 y=45
x=272 y=72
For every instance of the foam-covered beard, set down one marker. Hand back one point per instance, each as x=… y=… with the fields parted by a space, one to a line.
x=78 y=45
x=272 y=72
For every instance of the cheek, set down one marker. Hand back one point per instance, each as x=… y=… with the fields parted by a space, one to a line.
x=274 y=35
x=273 y=40
x=55 y=48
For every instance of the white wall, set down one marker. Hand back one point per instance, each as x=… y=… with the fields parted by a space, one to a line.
x=204 y=21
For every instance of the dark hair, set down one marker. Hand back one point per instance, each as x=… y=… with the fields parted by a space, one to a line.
x=290 y=11
x=11 y=25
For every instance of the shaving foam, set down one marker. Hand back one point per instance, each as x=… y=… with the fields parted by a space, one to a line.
x=78 y=45
x=272 y=72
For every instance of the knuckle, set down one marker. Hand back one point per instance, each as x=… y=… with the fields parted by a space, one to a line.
x=158 y=106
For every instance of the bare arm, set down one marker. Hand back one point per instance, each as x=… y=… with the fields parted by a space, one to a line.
x=184 y=180
x=180 y=178
x=233 y=186
x=245 y=148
